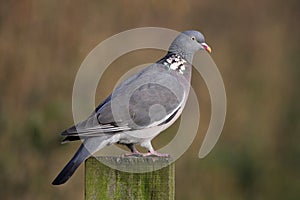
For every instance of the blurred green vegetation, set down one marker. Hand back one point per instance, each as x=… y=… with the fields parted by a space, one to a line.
x=255 y=44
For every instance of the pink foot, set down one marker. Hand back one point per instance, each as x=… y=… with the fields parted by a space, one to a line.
x=134 y=154
x=156 y=154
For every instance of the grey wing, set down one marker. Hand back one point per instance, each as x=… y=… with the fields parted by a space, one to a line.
x=148 y=99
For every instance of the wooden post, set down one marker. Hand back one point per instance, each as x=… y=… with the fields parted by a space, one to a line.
x=103 y=182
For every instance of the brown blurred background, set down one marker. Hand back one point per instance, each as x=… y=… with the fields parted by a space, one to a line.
x=255 y=45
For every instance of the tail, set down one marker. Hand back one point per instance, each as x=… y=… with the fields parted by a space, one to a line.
x=81 y=155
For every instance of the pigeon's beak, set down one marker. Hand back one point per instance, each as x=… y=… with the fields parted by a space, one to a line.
x=206 y=47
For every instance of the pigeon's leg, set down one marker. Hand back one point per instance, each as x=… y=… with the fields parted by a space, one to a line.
x=134 y=151
x=132 y=148
x=151 y=151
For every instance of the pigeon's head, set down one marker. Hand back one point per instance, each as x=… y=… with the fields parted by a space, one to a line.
x=188 y=43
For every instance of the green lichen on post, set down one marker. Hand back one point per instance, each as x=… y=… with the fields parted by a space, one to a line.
x=103 y=182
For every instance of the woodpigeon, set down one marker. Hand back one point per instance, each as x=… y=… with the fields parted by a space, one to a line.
x=139 y=108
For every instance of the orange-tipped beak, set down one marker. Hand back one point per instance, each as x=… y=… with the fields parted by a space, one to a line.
x=206 y=47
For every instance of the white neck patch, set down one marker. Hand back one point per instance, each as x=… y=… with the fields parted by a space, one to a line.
x=176 y=63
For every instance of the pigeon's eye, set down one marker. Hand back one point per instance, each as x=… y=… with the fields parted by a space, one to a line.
x=193 y=38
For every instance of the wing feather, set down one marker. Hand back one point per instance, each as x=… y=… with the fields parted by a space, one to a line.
x=128 y=107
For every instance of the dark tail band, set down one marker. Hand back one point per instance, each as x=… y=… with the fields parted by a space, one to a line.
x=81 y=155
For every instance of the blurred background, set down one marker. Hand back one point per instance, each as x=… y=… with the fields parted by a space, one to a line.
x=255 y=45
